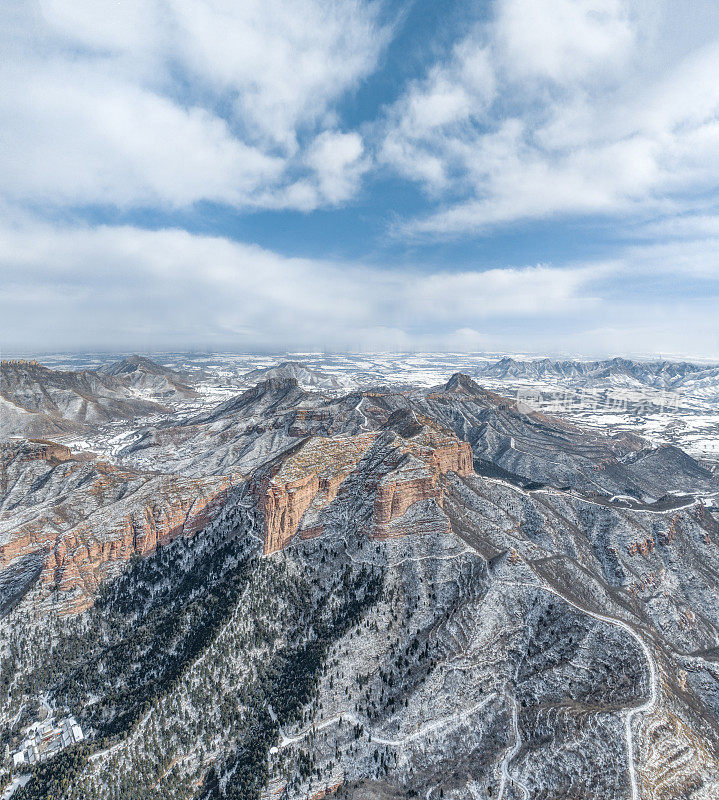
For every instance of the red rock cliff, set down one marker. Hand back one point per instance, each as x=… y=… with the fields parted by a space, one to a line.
x=417 y=478
x=310 y=476
x=304 y=482
x=90 y=517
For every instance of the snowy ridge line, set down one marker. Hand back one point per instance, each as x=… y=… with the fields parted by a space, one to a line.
x=559 y=493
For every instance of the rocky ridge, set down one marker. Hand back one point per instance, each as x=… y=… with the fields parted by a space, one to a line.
x=522 y=445
x=397 y=472
x=69 y=522
x=405 y=593
x=38 y=401
x=307 y=378
x=148 y=378
x=659 y=374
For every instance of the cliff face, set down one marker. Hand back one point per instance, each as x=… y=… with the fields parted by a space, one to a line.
x=79 y=560
x=395 y=473
x=283 y=506
x=309 y=477
x=69 y=521
x=422 y=460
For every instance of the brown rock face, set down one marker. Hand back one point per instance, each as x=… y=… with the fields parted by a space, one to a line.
x=86 y=517
x=405 y=488
x=52 y=452
x=78 y=562
x=403 y=472
x=416 y=478
x=310 y=476
x=284 y=506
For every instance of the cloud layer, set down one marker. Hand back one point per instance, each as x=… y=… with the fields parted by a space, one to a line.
x=170 y=102
x=157 y=285
x=121 y=286
x=123 y=123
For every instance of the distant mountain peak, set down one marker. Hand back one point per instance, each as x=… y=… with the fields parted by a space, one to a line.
x=271 y=393
x=461 y=383
x=134 y=363
x=306 y=376
x=289 y=364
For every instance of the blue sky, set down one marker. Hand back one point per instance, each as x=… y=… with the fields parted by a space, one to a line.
x=516 y=175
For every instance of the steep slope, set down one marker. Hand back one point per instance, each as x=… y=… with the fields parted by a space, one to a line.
x=45 y=401
x=404 y=464
x=149 y=379
x=68 y=522
x=521 y=648
x=18 y=421
x=533 y=448
x=238 y=434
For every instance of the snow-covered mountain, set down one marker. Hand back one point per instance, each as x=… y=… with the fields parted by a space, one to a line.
x=698 y=380
x=306 y=377
x=411 y=589
x=148 y=378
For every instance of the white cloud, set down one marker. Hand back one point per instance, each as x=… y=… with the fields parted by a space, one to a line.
x=168 y=102
x=286 y=60
x=689 y=259
x=691 y=226
x=439 y=109
x=581 y=116
x=510 y=292
x=337 y=161
x=280 y=63
x=563 y=40
x=123 y=285
x=112 y=142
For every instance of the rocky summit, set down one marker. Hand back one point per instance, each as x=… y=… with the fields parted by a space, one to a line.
x=287 y=583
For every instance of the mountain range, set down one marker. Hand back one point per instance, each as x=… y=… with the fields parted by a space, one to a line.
x=700 y=380
x=36 y=400
x=312 y=589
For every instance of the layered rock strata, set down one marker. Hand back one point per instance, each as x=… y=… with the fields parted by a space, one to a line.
x=69 y=521
x=310 y=476
x=397 y=472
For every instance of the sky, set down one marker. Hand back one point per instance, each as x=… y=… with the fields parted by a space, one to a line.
x=535 y=176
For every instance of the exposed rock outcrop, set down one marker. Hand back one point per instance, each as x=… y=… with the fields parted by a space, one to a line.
x=80 y=519
x=309 y=476
x=398 y=472
x=422 y=458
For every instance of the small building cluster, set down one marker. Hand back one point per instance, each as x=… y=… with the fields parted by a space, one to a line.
x=44 y=739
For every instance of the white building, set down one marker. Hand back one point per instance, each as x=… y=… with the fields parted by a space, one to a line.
x=44 y=739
